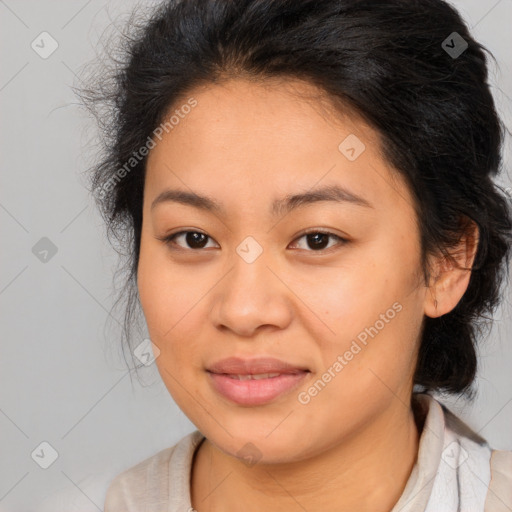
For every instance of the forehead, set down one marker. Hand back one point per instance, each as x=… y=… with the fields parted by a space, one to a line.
x=279 y=110
x=251 y=139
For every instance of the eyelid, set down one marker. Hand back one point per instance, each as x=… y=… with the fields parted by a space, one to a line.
x=324 y=231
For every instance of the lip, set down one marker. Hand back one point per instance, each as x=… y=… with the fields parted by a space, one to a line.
x=240 y=366
x=255 y=392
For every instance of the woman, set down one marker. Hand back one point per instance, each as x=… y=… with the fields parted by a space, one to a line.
x=315 y=238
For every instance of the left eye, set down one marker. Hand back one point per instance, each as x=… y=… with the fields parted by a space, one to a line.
x=317 y=240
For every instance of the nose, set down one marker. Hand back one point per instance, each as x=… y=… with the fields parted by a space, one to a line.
x=251 y=297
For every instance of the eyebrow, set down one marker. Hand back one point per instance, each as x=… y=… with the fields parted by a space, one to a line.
x=333 y=193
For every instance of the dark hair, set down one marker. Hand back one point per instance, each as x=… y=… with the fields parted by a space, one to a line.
x=397 y=63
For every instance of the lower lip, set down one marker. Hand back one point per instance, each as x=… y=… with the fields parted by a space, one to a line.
x=255 y=392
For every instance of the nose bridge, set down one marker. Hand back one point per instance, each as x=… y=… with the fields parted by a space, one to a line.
x=250 y=295
x=250 y=277
x=250 y=264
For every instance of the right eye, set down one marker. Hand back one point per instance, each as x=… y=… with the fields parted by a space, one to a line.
x=195 y=239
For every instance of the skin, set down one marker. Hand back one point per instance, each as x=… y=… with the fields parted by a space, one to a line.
x=353 y=446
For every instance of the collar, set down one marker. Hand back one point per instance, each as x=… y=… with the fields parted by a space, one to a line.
x=449 y=453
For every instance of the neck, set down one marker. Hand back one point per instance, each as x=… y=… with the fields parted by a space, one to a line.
x=369 y=471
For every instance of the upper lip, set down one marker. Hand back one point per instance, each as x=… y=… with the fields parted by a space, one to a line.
x=239 y=366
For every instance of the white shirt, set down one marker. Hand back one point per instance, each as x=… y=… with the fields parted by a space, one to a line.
x=451 y=473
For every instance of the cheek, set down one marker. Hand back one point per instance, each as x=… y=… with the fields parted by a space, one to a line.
x=373 y=311
x=167 y=302
x=155 y=292
x=174 y=309
x=348 y=296
x=165 y=293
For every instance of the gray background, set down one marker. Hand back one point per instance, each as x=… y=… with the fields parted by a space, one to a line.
x=62 y=377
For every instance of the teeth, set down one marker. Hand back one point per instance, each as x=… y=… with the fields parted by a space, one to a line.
x=255 y=377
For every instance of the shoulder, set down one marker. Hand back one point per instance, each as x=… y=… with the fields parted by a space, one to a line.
x=146 y=484
x=129 y=488
x=495 y=465
x=499 y=497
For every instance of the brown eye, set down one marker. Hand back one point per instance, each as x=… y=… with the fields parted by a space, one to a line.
x=318 y=240
x=194 y=240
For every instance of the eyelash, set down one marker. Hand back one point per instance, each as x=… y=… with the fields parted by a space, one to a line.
x=169 y=240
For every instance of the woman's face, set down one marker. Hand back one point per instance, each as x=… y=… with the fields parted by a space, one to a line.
x=247 y=282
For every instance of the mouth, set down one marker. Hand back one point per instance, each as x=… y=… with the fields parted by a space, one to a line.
x=256 y=389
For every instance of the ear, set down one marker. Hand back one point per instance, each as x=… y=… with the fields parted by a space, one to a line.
x=451 y=276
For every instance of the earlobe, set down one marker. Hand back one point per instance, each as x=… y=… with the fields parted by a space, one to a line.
x=452 y=274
